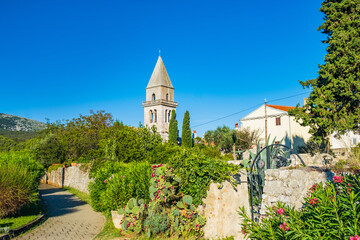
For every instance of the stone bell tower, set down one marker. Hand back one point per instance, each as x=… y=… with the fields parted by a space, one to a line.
x=159 y=100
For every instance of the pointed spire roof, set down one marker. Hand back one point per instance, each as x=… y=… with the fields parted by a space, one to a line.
x=159 y=76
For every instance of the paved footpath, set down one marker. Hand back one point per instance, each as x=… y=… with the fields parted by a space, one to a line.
x=68 y=218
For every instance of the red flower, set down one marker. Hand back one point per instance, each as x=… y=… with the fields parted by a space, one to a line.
x=313 y=201
x=355 y=238
x=284 y=227
x=280 y=211
x=313 y=187
x=338 y=179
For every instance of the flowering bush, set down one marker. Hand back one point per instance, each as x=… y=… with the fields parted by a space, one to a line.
x=329 y=212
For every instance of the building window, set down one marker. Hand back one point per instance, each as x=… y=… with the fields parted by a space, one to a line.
x=167 y=97
x=169 y=114
x=278 y=122
x=153 y=97
x=354 y=141
x=155 y=116
x=151 y=116
x=165 y=115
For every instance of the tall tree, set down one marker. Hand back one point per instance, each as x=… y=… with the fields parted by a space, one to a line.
x=186 y=131
x=173 y=128
x=334 y=102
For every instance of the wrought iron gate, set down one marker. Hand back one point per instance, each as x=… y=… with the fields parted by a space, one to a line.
x=270 y=157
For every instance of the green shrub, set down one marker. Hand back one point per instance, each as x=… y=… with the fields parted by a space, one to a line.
x=19 y=179
x=197 y=172
x=329 y=212
x=115 y=183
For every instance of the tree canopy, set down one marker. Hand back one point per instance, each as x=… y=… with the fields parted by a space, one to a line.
x=224 y=138
x=334 y=102
x=173 y=128
x=186 y=137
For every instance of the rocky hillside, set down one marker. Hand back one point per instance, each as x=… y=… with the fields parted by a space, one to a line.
x=15 y=123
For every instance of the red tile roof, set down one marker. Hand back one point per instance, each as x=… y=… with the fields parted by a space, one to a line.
x=283 y=108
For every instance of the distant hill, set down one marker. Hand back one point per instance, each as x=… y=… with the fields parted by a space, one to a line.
x=14 y=123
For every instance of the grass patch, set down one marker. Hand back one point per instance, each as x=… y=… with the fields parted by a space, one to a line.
x=109 y=231
x=27 y=214
x=85 y=197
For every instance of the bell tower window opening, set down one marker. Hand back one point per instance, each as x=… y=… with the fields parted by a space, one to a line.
x=165 y=115
x=151 y=116
x=155 y=116
x=153 y=97
x=169 y=114
x=167 y=97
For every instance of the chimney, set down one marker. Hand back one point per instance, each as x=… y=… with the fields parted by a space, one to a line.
x=236 y=125
x=194 y=133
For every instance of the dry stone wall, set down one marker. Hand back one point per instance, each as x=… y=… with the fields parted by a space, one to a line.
x=291 y=185
x=74 y=177
x=220 y=209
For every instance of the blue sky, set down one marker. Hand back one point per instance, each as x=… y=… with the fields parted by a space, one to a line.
x=62 y=58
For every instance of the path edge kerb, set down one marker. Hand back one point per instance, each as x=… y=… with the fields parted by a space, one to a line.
x=17 y=231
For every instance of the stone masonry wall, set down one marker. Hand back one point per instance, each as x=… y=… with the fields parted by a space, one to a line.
x=291 y=185
x=73 y=177
x=220 y=209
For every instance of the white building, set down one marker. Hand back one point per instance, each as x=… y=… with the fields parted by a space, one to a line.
x=340 y=142
x=279 y=125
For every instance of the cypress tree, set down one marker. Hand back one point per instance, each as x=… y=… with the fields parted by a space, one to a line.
x=173 y=128
x=334 y=102
x=186 y=131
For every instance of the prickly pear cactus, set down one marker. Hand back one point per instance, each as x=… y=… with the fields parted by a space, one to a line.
x=134 y=213
x=168 y=212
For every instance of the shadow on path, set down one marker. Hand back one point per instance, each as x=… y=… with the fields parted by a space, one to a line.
x=68 y=217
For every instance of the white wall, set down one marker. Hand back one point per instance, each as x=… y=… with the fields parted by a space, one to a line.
x=347 y=140
x=292 y=133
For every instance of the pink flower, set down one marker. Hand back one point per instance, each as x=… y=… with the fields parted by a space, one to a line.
x=313 y=201
x=128 y=225
x=105 y=180
x=313 y=187
x=284 y=227
x=123 y=176
x=153 y=175
x=338 y=179
x=280 y=211
x=355 y=238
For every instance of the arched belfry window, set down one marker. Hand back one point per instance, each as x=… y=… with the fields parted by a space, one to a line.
x=167 y=97
x=155 y=116
x=153 y=97
x=169 y=115
x=151 y=116
x=165 y=115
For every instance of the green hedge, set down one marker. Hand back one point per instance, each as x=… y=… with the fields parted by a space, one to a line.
x=115 y=183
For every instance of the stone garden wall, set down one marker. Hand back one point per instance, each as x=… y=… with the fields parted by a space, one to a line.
x=75 y=177
x=291 y=185
x=221 y=206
